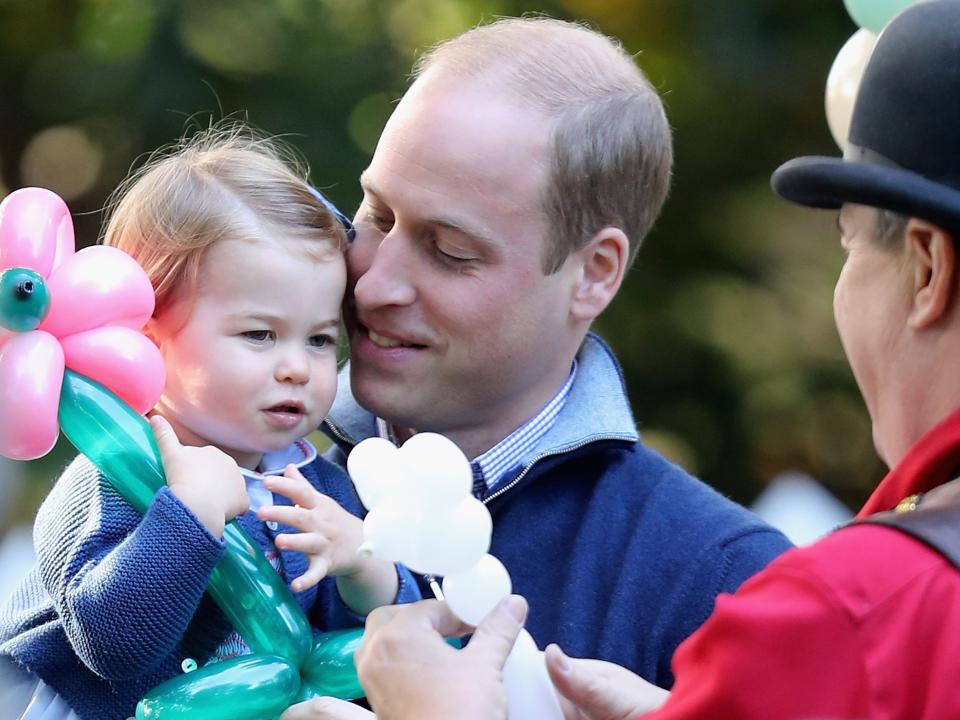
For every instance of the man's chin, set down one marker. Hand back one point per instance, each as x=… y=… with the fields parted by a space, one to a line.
x=395 y=401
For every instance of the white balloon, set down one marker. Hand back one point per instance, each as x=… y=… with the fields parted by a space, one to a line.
x=451 y=541
x=843 y=81
x=389 y=531
x=440 y=472
x=530 y=694
x=376 y=468
x=472 y=594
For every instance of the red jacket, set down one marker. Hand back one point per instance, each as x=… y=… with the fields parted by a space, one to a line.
x=863 y=624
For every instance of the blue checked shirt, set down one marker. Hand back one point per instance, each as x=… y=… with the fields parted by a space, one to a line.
x=490 y=467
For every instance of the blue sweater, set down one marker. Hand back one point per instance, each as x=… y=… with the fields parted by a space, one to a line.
x=620 y=553
x=115 y=601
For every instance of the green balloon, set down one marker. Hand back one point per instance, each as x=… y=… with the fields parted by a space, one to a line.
x=115 y=439
x=328 y=670
x=252 y=687
x=24 y=300
x=244 y=584
x=257 y=600
x=875 y=14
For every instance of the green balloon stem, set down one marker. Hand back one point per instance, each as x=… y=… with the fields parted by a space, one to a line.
x=329 y=669
x=252 y=687
x=120 y=443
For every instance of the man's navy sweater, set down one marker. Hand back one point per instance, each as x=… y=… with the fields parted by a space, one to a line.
x=619 y=552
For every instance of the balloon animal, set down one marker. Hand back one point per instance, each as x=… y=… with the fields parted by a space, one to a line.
x=423 y=515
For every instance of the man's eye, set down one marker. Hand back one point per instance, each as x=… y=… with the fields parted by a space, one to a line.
x=449 y=259
x=380 y=222
x=258 y=335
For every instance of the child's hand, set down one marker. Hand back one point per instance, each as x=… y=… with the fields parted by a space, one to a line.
x=330 y=536
x=205 y=479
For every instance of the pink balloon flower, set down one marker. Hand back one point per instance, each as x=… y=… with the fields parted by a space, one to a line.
x=59 y=309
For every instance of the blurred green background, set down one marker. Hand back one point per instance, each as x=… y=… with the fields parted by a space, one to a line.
x=724 y=326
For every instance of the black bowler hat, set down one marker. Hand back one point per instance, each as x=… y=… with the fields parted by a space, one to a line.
x=903 y=150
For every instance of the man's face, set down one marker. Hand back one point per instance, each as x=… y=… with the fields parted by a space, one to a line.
x=871 y=305
x=453 y=325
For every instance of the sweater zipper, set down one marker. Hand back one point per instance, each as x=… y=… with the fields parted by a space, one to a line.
x=339 y=433
x=551 y=453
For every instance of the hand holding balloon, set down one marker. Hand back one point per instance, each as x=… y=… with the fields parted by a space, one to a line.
x=205 y=479
x=423 y=515
x=329 y=535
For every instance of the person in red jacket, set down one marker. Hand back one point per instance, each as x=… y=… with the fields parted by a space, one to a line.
x=862 y=624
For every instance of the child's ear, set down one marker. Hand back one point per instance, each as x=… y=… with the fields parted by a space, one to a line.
x=150 y=330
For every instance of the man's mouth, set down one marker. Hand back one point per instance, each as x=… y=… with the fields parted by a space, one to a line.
x=385 y=342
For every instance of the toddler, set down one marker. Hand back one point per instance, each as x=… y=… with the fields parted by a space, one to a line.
x=246 y=261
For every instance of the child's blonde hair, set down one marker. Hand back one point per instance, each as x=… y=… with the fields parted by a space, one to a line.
x=225 y=182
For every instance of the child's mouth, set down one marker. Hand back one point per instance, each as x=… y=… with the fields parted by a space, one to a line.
x=285 y=414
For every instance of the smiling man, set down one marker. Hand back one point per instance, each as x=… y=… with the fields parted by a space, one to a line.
x=507 y=197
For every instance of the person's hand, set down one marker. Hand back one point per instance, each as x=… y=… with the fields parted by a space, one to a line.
x=329 y=535
x=409 y=672
x=599 y=690
x=326 y=708
x=205 y=479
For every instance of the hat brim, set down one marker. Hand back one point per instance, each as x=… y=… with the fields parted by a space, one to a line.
x=828 y=182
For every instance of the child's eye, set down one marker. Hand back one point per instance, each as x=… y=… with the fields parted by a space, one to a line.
x=322 y=341
x=258 y=335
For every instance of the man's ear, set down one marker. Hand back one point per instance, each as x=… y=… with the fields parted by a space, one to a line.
x=933 y=260
x=603 y=262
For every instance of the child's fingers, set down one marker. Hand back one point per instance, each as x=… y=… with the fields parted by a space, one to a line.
x=297 y=517
x=305 y=542
x=316 y=571
x=167 y=440
x=294 y=486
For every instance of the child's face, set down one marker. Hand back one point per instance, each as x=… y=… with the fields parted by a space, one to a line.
x=251 y=359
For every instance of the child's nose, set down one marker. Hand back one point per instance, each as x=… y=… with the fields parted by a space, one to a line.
x=293 y=366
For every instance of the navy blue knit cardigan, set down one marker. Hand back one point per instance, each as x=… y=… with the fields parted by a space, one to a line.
x=115 y=601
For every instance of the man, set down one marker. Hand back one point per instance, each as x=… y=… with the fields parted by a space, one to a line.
x=507 y=197
x=863 y=623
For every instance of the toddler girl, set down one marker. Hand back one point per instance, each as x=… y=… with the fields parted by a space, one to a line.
x=246 y=261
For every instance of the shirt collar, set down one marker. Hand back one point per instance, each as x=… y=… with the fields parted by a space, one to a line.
x=300 y=453
x=932 y=461
x=507 y=454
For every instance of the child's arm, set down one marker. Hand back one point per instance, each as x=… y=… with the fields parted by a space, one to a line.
x=125 y=586
x=330 y=537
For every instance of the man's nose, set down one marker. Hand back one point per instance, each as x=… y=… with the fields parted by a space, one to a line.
x=382 y=271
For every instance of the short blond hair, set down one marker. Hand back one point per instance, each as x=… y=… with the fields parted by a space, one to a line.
x=611 y=151
x=224 y=182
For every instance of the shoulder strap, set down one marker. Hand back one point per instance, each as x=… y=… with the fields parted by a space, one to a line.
x=932 y=517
